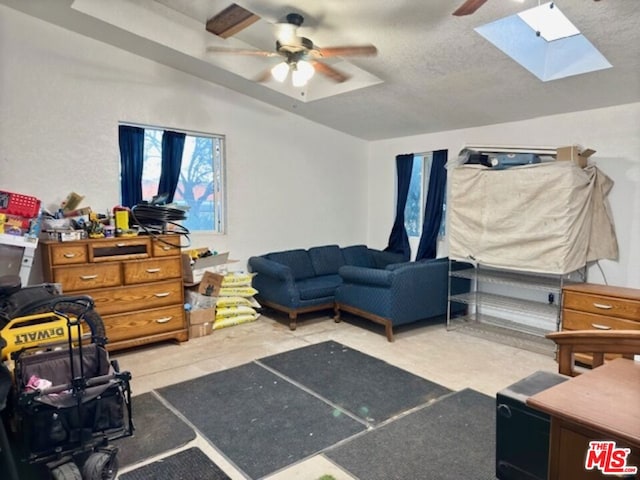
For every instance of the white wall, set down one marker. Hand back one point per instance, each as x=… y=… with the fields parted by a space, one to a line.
x=614 y=132
x=290 y=182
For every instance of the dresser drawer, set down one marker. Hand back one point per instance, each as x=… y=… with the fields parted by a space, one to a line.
x=602 y=305
x=138 y=297
x=166 y=246
x=152 y=270
x=68 y=254
x=572 y=320
x=116 y=249
x=147 y=322
x=86 y=277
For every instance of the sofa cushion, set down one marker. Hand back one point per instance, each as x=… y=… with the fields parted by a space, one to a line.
x=318 y=287
x=358 y=255
x=326 y=260
x=297 y=260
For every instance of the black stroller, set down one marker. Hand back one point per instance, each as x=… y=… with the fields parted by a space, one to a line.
x=68 y=401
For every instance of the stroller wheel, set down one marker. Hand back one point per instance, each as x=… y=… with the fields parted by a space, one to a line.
x=66 y=471
x=92 y=318
x=100 y=466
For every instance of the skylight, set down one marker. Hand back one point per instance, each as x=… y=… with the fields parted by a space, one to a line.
x=545 y=42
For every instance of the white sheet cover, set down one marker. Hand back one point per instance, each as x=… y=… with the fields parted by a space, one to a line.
x=547 y=218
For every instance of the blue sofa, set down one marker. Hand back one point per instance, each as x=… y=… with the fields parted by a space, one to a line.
x=399 y=294
x=298 y=281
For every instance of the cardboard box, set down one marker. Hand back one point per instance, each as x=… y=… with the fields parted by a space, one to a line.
x=192 y=274
x=202 y=316
x=574 y=153
x=200 y=330
x=210 y=284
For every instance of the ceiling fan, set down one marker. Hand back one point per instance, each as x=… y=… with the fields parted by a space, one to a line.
x=300 y=55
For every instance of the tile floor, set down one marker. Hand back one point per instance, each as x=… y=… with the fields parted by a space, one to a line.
x=451 y=358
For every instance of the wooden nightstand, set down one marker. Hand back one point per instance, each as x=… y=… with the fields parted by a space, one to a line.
x=587 y=306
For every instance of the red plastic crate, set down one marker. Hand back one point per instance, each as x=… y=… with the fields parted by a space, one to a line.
x=19 y=205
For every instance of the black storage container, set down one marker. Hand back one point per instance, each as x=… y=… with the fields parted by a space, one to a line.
x=522 y=433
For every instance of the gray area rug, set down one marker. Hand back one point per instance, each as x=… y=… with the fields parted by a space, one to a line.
x=157 y=430
x=451 y=439
x=190 y=464
x=258 y=420
x=365 y=386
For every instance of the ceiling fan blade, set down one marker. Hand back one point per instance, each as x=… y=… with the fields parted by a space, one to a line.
x=330 y=72
x=230 y=21
x=469 y=7
x=242 y=51
x=346 y=51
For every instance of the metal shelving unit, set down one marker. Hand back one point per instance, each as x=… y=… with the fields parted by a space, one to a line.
x=506 y=301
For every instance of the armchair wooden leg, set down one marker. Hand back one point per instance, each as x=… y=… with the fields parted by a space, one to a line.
x=388 y=330
x=293 y=317
x=336 y=316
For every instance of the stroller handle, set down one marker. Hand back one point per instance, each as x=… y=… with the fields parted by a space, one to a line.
x=85 y=300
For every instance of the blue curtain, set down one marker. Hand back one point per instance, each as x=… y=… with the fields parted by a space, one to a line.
x=433 y=208
x=172 y=148
x=131 y=141
x=398 y=239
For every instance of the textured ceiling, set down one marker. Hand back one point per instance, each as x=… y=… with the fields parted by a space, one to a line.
x=436 y=72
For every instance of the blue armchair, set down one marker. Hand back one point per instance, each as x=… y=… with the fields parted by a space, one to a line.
x=397 y=295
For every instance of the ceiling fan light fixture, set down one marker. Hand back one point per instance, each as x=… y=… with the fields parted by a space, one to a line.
x=304 y=70
x=280 y=71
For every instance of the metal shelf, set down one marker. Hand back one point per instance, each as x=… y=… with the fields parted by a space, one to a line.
x=529 y=280
x=506 y=304
x=511 y=304
x=497 y=330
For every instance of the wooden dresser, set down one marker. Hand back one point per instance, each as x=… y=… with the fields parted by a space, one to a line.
x=136 y=283
x=587 y=306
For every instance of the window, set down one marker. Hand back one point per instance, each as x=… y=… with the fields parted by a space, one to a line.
x=414 y=210
x=200 y=188
x=417 y=199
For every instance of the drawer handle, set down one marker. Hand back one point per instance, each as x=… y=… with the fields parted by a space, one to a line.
x=603 y=306
x=166 y=247
x=69 y=255
x=120 y=245
x=88 y=277
x=600 y=326
x=162 y=295
x=153 y=270
x=163 y=319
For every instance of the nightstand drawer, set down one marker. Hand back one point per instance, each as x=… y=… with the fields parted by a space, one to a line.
x=87 y=277
x=572 y=320
x=147 y=322
x=68 y=254
x=602 y=305
x=141 y=271
x=138 y=297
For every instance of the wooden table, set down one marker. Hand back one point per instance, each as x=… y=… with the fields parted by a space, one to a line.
x=602 y=404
